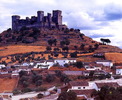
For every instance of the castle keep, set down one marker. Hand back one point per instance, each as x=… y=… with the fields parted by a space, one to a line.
x=49 y=21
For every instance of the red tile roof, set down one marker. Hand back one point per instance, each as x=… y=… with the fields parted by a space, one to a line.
x=118 y=67
x=87 y=92
x=111 y=84
x=79 y=83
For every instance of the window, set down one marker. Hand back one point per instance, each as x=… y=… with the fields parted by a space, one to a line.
x=79 y=87
x=83 y=87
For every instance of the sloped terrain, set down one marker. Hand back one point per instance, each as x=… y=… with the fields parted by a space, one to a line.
x=71 y=40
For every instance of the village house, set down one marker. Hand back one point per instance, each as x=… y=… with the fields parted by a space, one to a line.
x=107 y=63
x=119 y=70
x=85 y=94
x=62 y=61
x=49 y=63
x=82 y=88
x=92 y=66
x=44 y=64
x=2 y=66
x=81 y=85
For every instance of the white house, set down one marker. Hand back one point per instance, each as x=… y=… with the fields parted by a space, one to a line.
x=83 y=89
x=2 y=66
x=92 y=66
x=105 y=62
x=119 y=70
x=79 y=85
x=44 y=64
x=49 y=63
x=62 y=61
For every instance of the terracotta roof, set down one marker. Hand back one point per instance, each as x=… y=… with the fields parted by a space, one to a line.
x=61 y=59
x=71 y=58
x=87 y=92
x=50 y=61
x=79 y=83
x=65 y=59
x=73 y=72
x=82 y=98
x=118 y=67
x=111 y=84
x=103 y=61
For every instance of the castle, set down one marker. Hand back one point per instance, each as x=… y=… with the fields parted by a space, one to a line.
x=49 y=21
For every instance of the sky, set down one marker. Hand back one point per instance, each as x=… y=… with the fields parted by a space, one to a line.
x=95 y=18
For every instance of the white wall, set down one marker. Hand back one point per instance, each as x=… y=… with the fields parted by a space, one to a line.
x=106 y=63
x=2 y=66
x=119 y=71
x=63 y=61
x=80 y=87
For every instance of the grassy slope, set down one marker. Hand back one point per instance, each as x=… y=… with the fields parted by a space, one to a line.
x=7 y=85
x=115 y=57
x=8 y=50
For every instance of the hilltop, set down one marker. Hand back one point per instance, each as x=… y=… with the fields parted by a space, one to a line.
x=55 y=38
x=52 y=40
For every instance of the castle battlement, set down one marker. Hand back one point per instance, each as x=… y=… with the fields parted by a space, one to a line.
x=49 y=21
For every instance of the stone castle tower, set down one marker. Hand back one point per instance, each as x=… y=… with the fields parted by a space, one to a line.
x=40 y=20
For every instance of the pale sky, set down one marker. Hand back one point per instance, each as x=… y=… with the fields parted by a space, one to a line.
x=95 y=18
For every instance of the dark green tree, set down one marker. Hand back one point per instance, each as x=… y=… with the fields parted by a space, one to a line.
x=50 y=78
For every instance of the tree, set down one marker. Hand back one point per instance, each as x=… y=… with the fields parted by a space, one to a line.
x=22 y=73
x=26 y=90
x=23 y=78
x=107 y=93
x=39 y=95
x=71 y=29
x=56 y=54
x=65 y=54
x=76 y=47
x=48 y=48
x=25 y=84
x=50 y=78
x=16 y=91
x=70 y=95
x=39 y=82
x=65 y=48
x=67 y=42
x=64 y=78
x=91 y=74
x=73 y=55
x=82 y=46
x=96 y=46
x=50 y=42
x=58 y=73
x=78 y=64
x=63 y=96
x=62 y=43
x=105 y=40
x=55 y=42
x=35 y=78
x=56 y=49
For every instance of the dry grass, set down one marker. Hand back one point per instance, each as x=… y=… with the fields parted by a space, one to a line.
x=8 y=50
x=115 y=57
x=7 y=84
x=70 y=68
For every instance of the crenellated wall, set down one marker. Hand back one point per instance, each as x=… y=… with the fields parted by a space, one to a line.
x=54 y=20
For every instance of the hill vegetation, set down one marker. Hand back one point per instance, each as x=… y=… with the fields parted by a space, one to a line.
x=53 y=42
